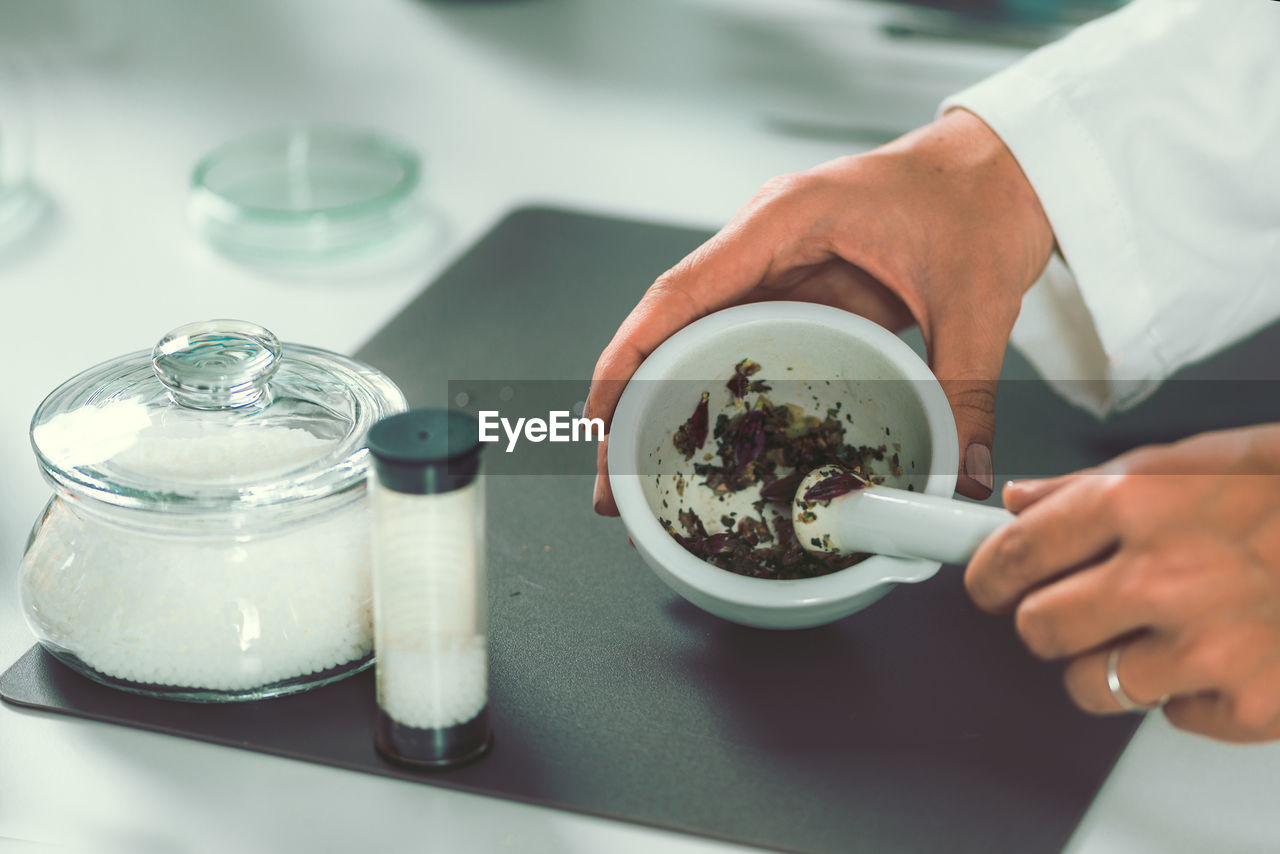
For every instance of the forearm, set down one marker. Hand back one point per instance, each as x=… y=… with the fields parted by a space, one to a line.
x=1152 y=138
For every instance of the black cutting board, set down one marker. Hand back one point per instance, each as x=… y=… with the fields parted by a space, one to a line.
x=917 y=725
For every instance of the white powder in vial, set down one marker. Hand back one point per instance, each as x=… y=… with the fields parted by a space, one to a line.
x=218 y=612
x=429 y=568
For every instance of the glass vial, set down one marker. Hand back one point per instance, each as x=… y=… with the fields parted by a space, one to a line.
x=429 y=589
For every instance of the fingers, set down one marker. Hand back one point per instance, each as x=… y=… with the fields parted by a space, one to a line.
x=1203 y=696
x=662 y=311
x=967 y=362
x=973 y=402
x=722 y=272
x=1044 y=541
x=1205 y=713
x=1240 y=717
x=1081 y=611
x=1018 y=495
x=719 y=273
x=716 y=274
x=1135 y=588
x=1147 y=669
x=602 y=495
x=1218 y=682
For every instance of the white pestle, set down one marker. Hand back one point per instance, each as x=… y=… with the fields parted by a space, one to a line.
x=888 y=521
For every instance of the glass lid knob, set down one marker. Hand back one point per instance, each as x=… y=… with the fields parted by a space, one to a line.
x=217 y=364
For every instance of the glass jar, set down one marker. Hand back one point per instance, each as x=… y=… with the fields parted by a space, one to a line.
x=208 y=536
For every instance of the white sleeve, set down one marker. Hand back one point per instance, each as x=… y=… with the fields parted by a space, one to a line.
x=1152 y=137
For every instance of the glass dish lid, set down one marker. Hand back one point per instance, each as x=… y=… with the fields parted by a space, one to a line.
x=218 y=415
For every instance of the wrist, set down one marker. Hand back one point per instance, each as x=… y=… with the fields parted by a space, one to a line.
x=983 y=173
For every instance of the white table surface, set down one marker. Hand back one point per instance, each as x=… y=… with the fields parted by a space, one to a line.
x=666 y=109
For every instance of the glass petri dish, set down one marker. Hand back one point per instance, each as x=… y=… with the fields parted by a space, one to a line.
x=22 y=203
x=304 y=194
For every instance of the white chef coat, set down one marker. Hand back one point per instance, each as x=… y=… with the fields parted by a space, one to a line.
x=1152 y=137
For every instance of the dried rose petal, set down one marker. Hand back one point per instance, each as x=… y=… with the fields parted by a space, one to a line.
x=750 y=439
x=692 y=523
x=834 y=486
x=739 y=384
x=784 y=488
x=692 y=434
x=717 y=543
x=698 y=422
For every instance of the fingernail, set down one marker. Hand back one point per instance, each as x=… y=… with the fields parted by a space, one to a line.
x=977 y=464
x=596 y=497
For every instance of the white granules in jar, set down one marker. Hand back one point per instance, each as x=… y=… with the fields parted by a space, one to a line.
x=223 y=611
x=193 y=454
x=432 y=650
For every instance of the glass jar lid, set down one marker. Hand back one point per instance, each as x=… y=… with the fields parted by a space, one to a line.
x=218 y=415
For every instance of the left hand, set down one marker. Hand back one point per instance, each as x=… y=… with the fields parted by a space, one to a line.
x=940 y=228
x=1172 y=552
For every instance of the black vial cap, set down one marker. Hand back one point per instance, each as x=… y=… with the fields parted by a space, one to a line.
x=426 y=451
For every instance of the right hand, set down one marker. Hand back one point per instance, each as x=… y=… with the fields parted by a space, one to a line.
x=940 y=227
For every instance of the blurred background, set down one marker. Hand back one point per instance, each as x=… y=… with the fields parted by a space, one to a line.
x=674 y=110
x=842 y=67
x=849 y=68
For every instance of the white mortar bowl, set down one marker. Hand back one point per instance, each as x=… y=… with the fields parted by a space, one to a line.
x=806 y=351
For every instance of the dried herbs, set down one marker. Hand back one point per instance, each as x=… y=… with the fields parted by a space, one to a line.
x=692 y=434
x=750 y=548
x=765 y=444
x=771 y=447
x=748 y=442
x=740 y=383
x=835 y=485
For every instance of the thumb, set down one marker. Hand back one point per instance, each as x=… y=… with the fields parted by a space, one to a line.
x=968 y=368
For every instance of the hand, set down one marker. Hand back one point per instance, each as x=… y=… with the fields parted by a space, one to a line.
x=940 y=226
x=1172 y=552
